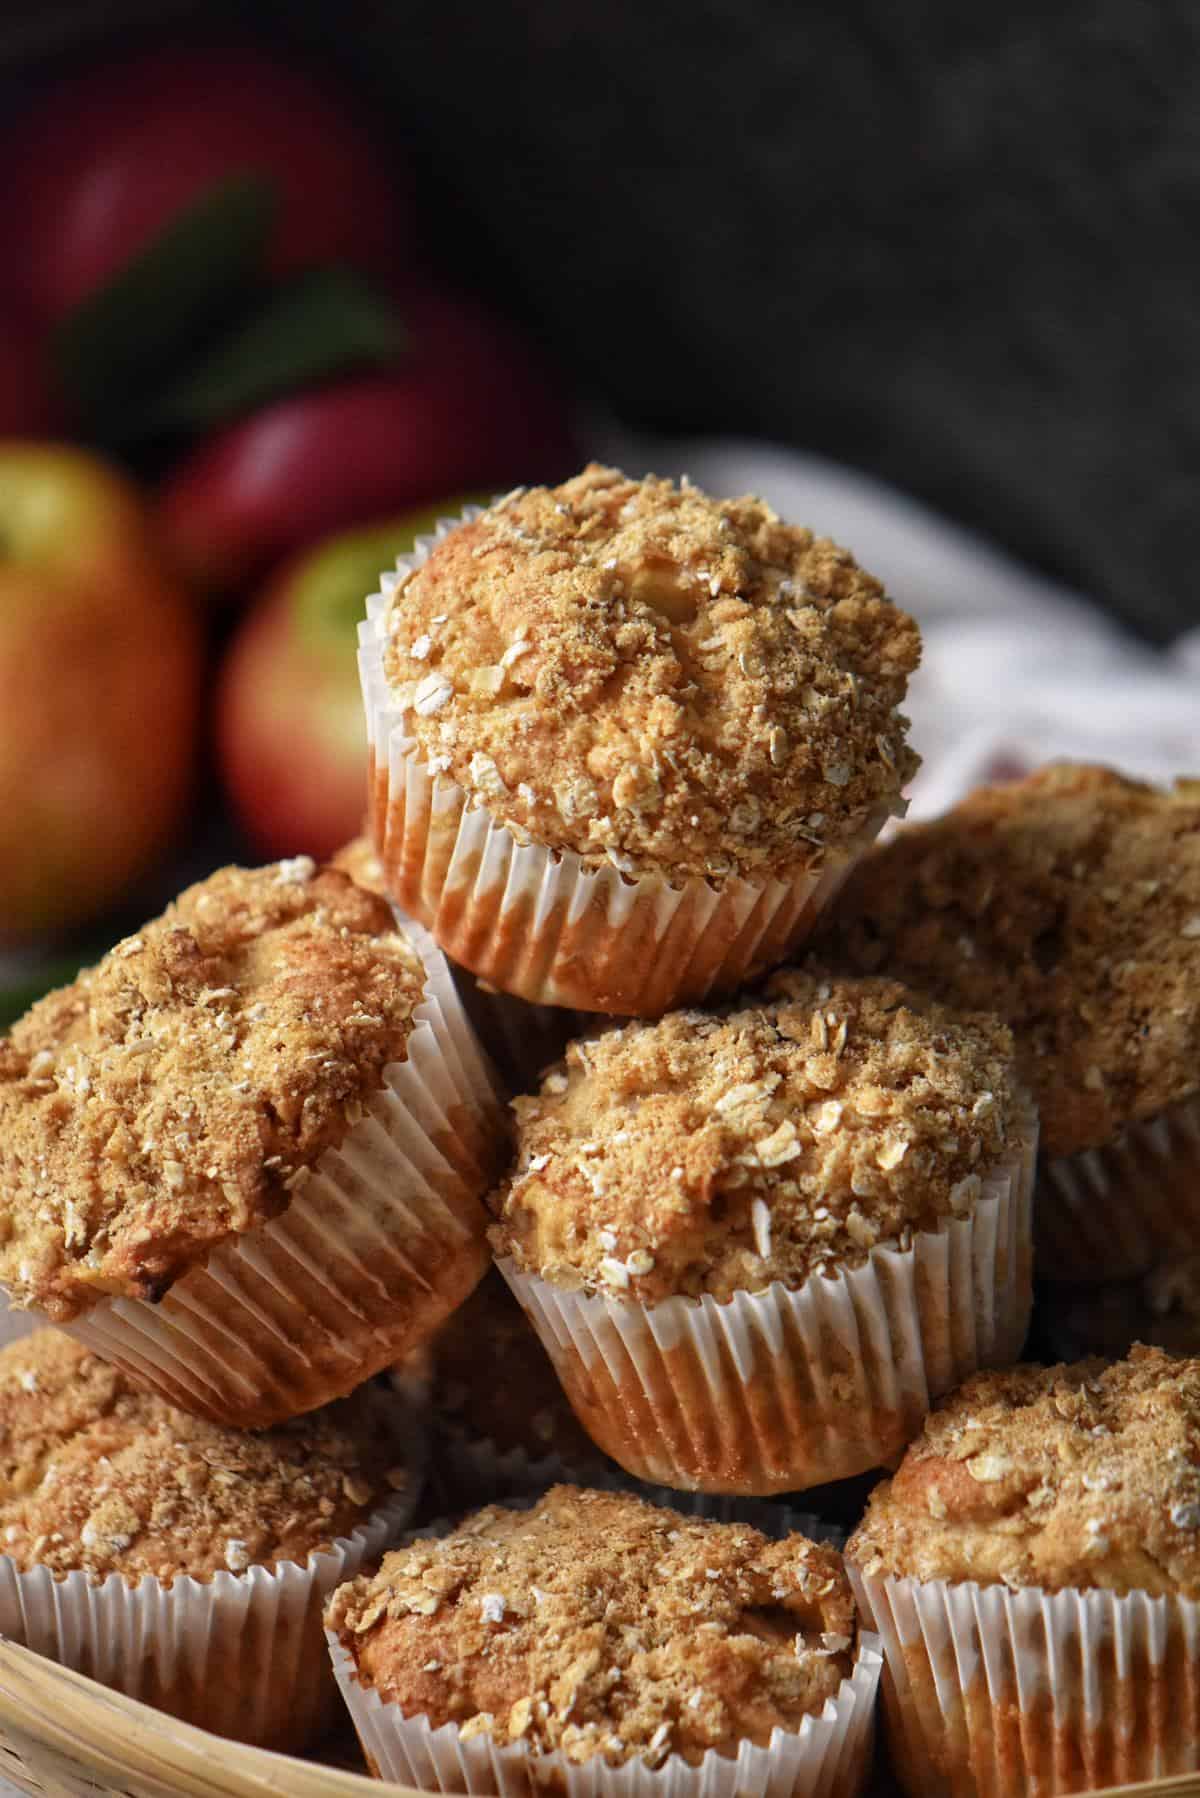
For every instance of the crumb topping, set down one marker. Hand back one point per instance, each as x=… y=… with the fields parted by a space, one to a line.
x=1081 y=1476
x=494 y=1382
x=720 y=1152
x=1070 y=904
x=358 y=859
x=100 y=1477
x=648 y=676
x=598 y=1624
x=179 y=1092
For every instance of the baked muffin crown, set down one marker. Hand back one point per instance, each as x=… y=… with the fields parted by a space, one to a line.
x=595 y=1623
x=718 y=1152
x=1070 y=903
x=98 y=1476
x=639 y=673
x=176 y=1094
x=1081 y=1476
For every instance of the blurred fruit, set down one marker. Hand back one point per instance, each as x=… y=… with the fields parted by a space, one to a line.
x=28 y=407
x=471 y=405
x=290 y=735
x=100 y=666
x=103 y=161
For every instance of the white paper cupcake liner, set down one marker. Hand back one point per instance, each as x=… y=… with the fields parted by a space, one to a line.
x=544 y=925
x=1117 y=1211
x=780 y=1390
x=375 y=1249
x=990 y=1693
x=477 y=1472
x=829 y=1756
x=240 y=1654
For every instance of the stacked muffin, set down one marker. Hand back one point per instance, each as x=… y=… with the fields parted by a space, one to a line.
x=762 y=1215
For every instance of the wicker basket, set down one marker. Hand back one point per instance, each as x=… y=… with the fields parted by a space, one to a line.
x=64 y=1736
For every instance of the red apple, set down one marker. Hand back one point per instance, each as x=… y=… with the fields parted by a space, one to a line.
x=100 y=666
x=471 y=406
x=290 y=734
x=28 y=407
x=100 y=163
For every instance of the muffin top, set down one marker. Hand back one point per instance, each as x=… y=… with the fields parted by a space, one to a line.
x=598 y=1624
x=639 y=673
x=720 y=1152
x=1075 y=1476
x=98 y=1476
x=176 y=1094
x=1070 y=904
x=494 y=1382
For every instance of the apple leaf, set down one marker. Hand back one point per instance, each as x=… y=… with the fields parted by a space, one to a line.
x=323 y=323
x=120 y=342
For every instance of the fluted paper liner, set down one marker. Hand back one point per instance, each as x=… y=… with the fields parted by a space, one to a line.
x=376 y=1248
x=1115 y=1212
x=829 y=1756
x=990 y=1693
x=779 y=1390
x=241 y=1654
x=543 y=924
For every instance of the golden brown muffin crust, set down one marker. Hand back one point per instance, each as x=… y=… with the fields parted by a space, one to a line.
x=638 y=672
x=176 y=1094
x=494 y=1382
x=596 y=1623
x=1074 y=1476
x=99 y=1476
x=720 y=1152
x=1070 y=904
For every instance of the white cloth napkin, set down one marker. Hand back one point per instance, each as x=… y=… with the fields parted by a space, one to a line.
x=1017 y=669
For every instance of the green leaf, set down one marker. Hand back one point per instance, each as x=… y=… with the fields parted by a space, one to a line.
x=125 y=337
x=321 y=324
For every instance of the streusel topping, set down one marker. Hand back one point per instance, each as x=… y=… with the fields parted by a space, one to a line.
x=1081 y=1476
x=720 y=1152
x=598 y=1624
x=98 y=1476
x=1070 y=904
x=494 y=1382
x=637 y=672
x=176 y=1094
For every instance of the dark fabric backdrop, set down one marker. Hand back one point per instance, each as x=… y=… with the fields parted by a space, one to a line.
x=958 y=245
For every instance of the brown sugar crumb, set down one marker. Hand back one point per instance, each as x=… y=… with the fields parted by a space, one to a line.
x=99 y=1476
x=1070 y=904
x=177 y=1093
x=598 y=1624
x=639 y=673
x=494 y=1382
x=712 y=1153
x=1074 y=1476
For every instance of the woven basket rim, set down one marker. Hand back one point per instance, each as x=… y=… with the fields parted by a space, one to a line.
x=111 y=1737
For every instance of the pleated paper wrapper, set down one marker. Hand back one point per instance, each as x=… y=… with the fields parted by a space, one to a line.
x=542 y=924
x=1117 y=1211
x=990 y=1693
x=829 y=1756
x=241 y=1654
x=377 y=1246
x=780 y=1390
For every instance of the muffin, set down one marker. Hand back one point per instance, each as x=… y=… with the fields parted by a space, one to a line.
x=243 y=1156
x=594 y=1637
x=627 y=740
x=501 y=1422
x=523 y=1040
x=1070 y=904
x=755 y=1244
x=181 y=1562
x=1034 y=1570
x=1162 y=1309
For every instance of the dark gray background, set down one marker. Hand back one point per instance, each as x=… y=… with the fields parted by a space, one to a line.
x=953 y=244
